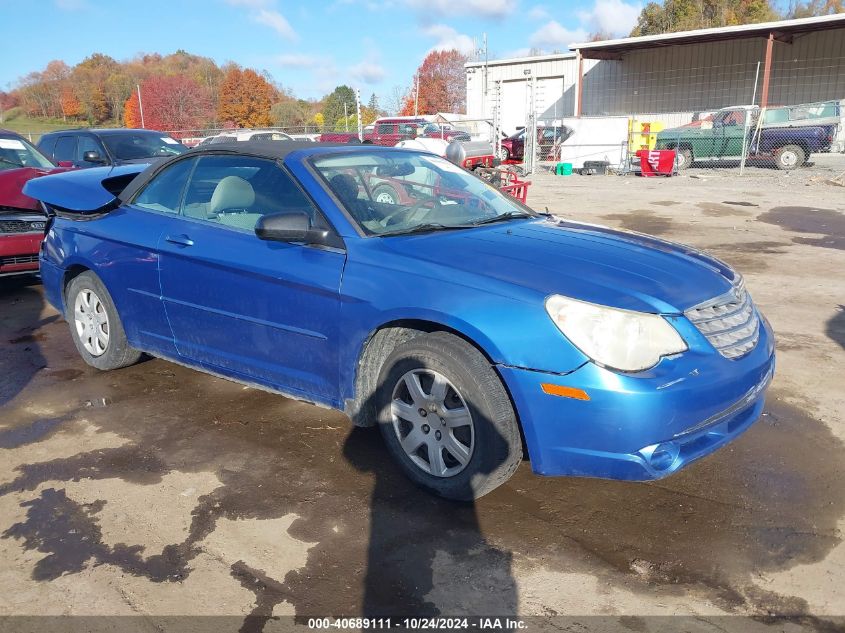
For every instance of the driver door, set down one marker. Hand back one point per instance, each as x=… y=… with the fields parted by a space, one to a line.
x=263 y=311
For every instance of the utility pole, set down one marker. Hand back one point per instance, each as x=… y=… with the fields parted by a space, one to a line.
x=140 y=105
x=358 y=114
x=484 y=76
x=345 y=118
x=417 y=95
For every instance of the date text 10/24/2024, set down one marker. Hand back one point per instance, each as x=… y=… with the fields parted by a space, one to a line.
x=434 y=623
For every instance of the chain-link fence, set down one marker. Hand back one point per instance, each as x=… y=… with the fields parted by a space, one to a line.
x=725 y=116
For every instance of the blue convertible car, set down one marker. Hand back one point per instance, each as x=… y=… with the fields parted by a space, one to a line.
x=466 y=326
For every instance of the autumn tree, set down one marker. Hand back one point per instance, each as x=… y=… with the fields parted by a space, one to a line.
x=812 y=8
x=89 y=79
x=71 y=107
x=245 y=98
x=174 y=102
x=8 y=100
x=685 y=15
x=442 y=84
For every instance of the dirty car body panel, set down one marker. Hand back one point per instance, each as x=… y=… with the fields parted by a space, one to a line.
x=296 y=318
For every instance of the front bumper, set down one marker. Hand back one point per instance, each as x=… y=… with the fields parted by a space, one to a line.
x=643 y=426
x=19 y=253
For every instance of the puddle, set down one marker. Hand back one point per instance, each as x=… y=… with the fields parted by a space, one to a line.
x=28 y=433
x=642 y=221
x=767 y=502
x=666 y=203
x=828 y=223
x=716 y=210
x=747 y=256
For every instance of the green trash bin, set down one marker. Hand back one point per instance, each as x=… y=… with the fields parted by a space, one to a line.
x=563 y=169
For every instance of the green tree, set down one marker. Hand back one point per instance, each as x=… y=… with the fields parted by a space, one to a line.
x=333 y=105
x=812 y=8
x=291 y=113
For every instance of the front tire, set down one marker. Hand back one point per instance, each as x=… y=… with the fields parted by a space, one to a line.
x=789 y=157
x=446 y=417
x=504 y=154
x=95 y=326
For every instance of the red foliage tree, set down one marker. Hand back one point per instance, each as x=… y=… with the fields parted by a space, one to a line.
x=442 y=84
x=170 y=103
x=71 y=106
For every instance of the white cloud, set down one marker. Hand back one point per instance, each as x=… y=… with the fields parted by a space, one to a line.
x=275 y=21
x=553 y=35
x=538 y=12
x=264 y=12
x=611 y=16
x=448 y=39
x=495 y=9
x=369 y=72
x=297 y=60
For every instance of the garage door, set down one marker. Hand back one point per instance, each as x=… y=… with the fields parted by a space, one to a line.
x=514 y=106
x=549 y=98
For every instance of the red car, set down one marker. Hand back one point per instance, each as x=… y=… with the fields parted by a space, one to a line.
x=22 y=222
x=513 y=147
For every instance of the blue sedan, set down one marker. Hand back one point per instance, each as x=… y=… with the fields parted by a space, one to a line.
x=467 y=327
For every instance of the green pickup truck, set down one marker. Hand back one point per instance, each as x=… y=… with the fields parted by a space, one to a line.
x=782 y=136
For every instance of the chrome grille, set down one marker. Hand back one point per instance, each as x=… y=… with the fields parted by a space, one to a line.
x=18 y=259
x=730 y=322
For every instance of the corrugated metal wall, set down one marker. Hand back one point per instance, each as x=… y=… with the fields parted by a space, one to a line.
x=688 y=78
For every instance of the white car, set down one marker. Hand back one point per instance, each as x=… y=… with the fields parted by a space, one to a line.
x=247 y=135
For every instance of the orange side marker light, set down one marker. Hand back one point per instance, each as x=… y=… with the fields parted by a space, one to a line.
x=566 y=392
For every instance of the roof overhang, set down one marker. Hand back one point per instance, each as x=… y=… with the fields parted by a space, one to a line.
x=782 y=31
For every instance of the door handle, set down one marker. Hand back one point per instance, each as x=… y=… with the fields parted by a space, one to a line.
x=181 y=240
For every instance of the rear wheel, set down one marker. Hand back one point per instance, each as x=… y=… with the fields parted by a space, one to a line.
x=789 y=157
x=95 y=325
x=684 y=158
x=446 y=418
x=385 y=194
x=504 y=154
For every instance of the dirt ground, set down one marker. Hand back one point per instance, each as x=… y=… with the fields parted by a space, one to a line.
x=160 y=491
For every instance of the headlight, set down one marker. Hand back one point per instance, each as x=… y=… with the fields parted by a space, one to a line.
x=619 y=339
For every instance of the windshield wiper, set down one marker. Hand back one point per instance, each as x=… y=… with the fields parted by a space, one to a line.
x=11 y=162
x=428 y=227
x=508 y=215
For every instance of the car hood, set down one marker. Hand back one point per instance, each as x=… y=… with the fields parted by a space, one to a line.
x=11 y=186
x=583 y=261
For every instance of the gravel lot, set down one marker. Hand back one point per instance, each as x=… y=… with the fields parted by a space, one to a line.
x=158 y=491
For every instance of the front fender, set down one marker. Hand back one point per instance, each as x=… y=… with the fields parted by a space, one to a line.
x=509 y=325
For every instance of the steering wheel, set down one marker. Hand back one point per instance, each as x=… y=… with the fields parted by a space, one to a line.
x=392 y=218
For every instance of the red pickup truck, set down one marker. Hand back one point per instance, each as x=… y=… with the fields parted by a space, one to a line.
x=390 y=131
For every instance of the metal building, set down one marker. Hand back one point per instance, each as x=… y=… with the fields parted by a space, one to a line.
x=777 y=63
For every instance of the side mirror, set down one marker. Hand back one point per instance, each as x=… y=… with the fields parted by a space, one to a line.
x=93 y=157
x=289 y=227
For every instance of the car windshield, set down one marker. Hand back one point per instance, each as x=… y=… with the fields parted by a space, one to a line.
x=131 y=146
x=391 y=193
x=16 y=152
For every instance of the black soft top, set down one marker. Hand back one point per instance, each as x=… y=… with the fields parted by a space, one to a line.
x=275 y=150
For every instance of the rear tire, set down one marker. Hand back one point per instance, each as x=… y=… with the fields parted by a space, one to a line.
x=95 y=326
x=684 y=158
x=789 y=157
x=385 y=194
x=504 y=154
x=437 y=395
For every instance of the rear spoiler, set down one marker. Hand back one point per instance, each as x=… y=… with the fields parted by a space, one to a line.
x=83 y=191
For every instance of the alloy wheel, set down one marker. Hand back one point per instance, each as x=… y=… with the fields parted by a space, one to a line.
x=91 y=322
x=432 y=422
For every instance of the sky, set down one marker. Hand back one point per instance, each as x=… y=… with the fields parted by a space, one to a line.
x=308 y=46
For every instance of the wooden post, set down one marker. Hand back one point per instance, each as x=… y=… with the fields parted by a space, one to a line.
x=767 y=71
x=579 y=100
